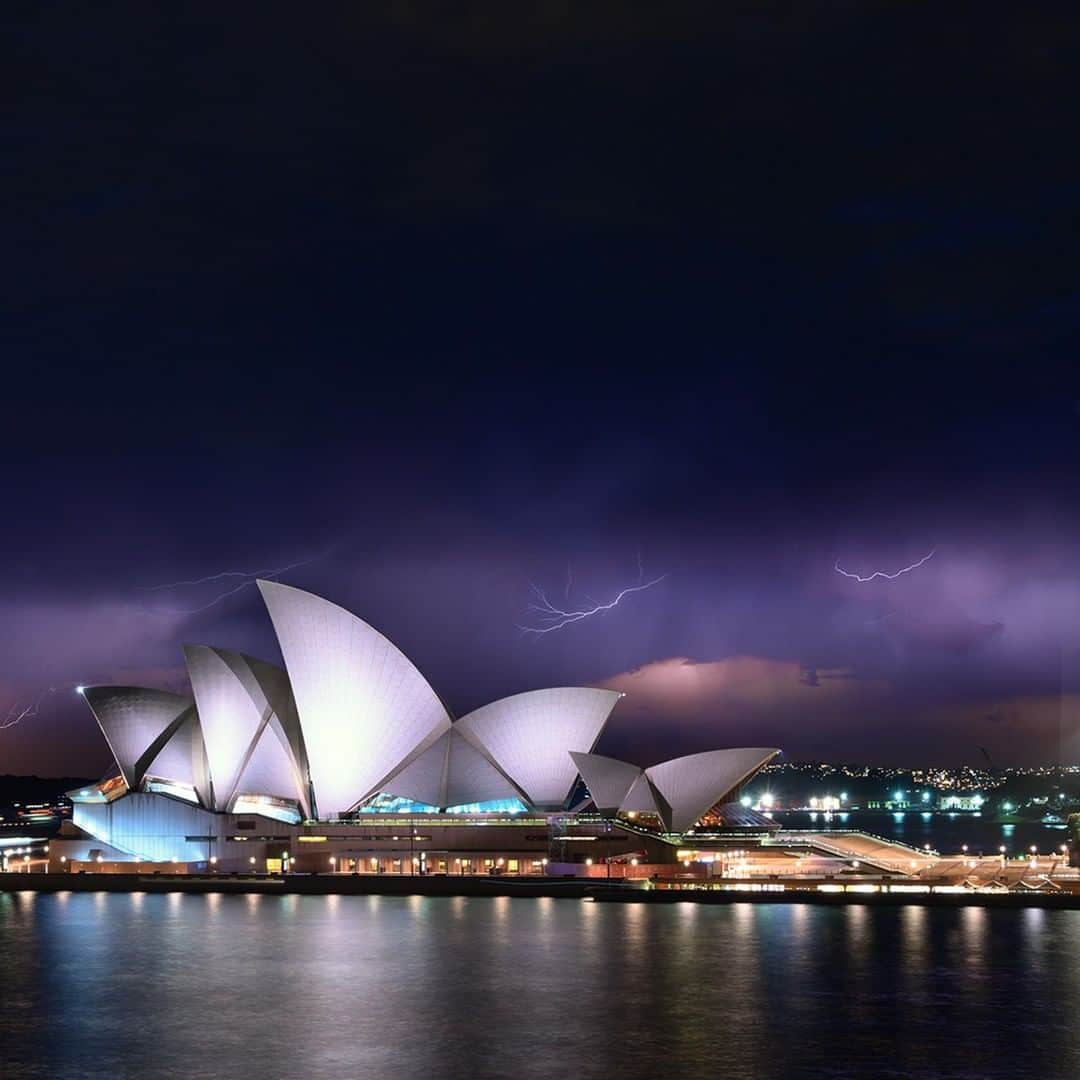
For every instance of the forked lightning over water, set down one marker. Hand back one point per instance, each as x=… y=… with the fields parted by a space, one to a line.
x=882 y=573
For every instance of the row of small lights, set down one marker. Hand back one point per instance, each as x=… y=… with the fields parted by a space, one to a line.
x=286 y=858
x=767 y=800
x=25 y=852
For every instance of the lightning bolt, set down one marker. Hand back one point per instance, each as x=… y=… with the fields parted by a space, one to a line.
x=880 y=619
x=552 y=618
x=201 y=580
x=883 y=574
x=19 y=712
x=249 y=579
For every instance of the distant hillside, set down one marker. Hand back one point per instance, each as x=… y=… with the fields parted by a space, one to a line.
x=34 y=789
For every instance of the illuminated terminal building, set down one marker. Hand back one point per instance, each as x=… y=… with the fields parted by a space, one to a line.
x=348 y=761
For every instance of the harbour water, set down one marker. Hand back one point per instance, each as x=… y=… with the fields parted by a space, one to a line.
x=118 y=985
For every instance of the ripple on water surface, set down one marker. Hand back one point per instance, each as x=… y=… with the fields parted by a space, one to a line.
x=234 y=986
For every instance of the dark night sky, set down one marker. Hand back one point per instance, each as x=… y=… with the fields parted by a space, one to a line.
x=453 y=301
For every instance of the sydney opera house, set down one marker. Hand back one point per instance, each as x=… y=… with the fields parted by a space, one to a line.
x=348 y=761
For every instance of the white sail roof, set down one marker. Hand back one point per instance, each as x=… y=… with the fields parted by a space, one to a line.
x=364 y=708
x=471 y=778
x=133 y=719
x=424 y=779
x=451 y=773
x=182 y=757
x=231 y=709
x=239 y=699
x=692 y=785
x=528 y=735
x=643 y=799
x=269 y=770
x=609 y=780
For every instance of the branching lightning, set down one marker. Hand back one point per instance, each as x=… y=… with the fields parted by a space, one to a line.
x=549 y=618
x=202 y=580
x=19 y=712
x=250 y=577
x=882 y=573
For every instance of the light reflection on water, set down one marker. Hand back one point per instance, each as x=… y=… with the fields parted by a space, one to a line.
x=116 y=985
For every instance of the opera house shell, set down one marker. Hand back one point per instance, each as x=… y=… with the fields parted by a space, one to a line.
x=352 y=727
